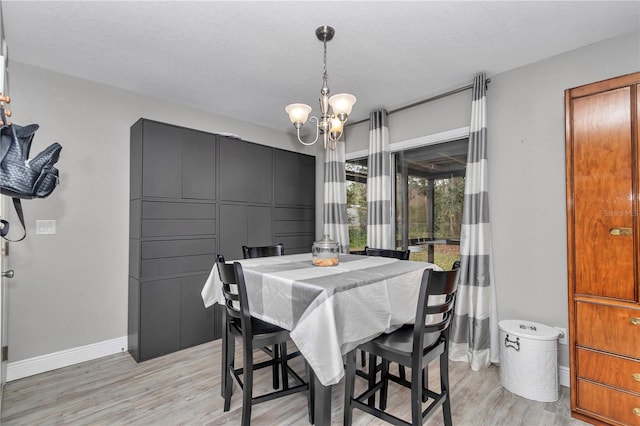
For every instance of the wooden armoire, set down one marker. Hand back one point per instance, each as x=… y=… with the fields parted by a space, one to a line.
x=603 y=237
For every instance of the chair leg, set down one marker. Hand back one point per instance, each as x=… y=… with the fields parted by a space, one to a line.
x=372 y=378
x=402 y=372
x=444 y=387
x=311 y=393
x=224 y=365
x=362 y=358
x=416 y=395
x=349 y=384
x=230 y=350
x=425 y=383
x=384 y=376
x=247 y=389
x=275 y=354
x=283 y=365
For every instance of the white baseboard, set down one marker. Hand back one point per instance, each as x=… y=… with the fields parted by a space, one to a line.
x=564 y=376
x=40 y=364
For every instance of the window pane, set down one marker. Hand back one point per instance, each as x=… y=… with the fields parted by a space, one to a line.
x=429 y=200
x=356 y=172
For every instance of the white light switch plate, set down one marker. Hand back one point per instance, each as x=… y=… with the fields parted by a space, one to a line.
x=45 y=227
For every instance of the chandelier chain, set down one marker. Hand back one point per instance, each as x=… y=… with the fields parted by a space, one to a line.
x=325 y=77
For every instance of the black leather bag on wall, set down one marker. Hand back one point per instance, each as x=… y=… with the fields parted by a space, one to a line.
x=21 y=177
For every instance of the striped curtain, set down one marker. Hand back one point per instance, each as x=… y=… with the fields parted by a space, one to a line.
x=380 y=233
x=474 y=332
x=335 y=220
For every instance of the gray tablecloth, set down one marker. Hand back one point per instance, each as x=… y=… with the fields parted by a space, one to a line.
x=329 y=310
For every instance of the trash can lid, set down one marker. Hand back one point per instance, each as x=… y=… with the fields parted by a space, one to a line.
x=529 y=329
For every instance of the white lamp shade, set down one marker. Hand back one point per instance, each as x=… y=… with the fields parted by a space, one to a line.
x=298 y=113
x=342 y=103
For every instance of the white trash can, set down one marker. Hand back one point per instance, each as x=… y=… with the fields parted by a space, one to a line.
x=529 y=359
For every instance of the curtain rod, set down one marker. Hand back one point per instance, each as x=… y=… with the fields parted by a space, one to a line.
x=424 y=101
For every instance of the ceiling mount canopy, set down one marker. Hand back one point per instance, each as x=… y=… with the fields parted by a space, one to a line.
x=334 y=110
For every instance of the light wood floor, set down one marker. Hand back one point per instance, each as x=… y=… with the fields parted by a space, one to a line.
x=184 y=389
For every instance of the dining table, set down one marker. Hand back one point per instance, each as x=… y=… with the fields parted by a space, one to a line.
x=328 y=310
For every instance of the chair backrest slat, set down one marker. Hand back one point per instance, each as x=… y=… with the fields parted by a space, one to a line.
x=263 y=251
x=439 y=285
x=236 y=302
x=397 y=254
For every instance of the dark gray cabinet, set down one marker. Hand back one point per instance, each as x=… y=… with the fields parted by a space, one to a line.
x=172 y=238
x=194 y=195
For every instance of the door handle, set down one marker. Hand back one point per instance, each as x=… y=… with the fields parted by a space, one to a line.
x=626 y=232
x=8 y=274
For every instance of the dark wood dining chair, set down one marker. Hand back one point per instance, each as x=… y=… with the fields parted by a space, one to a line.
x=262 y=251
x=251 y=252
x=254 y=334
x=396 y=254
x=414 y=346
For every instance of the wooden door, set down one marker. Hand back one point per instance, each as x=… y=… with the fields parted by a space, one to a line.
x=603 y=200
x=5 y=272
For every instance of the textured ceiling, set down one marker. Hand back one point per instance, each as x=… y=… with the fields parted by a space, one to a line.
x=249 y=59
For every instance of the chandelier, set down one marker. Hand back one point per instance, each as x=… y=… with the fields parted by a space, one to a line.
x=332 y=121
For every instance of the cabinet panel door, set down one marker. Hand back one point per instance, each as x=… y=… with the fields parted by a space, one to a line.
x=233 y=230
x=307 y=183
x=620 y=372
x=161 y=161
x=608 y=328
x=167 y=266
x=178 y=227
x=297 y=243
x=233 y=170
x=197 y=324
x=616 y=405
x=603 y=195
x=159 y=317
x=286 y=177
x=259 y=173
x=259 y=226
x=166 y=210
x=198 y=165
x=294 y=178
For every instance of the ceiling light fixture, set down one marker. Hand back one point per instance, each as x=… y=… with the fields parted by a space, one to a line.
x=332 y=122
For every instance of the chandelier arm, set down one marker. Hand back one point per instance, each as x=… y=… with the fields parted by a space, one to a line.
x=317 y=133
x=332 y=139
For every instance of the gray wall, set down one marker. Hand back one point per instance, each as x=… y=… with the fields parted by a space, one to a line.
x=70 y=288
x=451 y=112
x=527 y=176
x=525 y=114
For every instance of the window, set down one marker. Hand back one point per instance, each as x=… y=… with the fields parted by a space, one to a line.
x=429 y=201
x=429 y=195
